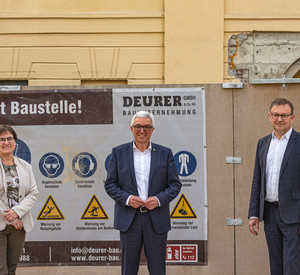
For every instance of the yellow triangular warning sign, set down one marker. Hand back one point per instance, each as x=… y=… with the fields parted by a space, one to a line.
x=94 y=211
x=183 y=209
x=50 y=211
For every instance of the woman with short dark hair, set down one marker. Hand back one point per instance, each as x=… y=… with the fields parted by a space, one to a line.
x=18 y=193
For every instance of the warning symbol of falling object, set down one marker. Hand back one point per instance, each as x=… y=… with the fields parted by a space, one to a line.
x=183 y=209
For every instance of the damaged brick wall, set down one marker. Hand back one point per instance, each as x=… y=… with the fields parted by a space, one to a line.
x=263 y=55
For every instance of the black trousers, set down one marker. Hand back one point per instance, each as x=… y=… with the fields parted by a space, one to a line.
x=283 y=242
x=141 y=233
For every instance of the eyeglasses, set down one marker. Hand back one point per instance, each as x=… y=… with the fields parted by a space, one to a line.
x=138 y=127
x=9 y=139
x=283 y=116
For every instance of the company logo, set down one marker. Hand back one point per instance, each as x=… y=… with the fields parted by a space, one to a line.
x=147 y=101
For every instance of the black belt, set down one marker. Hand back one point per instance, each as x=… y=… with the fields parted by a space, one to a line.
x=275 y=203
x=143 y=209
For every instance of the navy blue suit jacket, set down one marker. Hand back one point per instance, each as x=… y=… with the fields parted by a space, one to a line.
x=121 y=183
x=289 y=180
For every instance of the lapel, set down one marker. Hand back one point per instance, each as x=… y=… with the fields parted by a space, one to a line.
x=3 y=178
x=131 y=162
x=22 y=177
x=265 y=149
x=288 y=150
x=154 y=153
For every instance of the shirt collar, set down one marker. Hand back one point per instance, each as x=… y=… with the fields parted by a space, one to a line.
x=287 y=135
x=148 y=149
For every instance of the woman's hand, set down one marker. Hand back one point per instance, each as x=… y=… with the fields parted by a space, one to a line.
x=18 y=224
x=10 y=215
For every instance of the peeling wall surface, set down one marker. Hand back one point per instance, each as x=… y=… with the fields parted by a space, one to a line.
x=263 y=55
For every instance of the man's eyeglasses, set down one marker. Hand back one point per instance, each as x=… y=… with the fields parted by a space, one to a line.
x=283 y=116
x=138 y=127
x=9 y=139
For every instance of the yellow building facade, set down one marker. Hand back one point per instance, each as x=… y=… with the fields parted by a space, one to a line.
x=150 y=42
x=134 y=42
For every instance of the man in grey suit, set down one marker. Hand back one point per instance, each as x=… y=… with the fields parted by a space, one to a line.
x=143 y=180
x=275 y=194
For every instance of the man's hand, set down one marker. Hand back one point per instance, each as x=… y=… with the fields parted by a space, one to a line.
x=254 y=226
x=135 y=201
x=151 y=203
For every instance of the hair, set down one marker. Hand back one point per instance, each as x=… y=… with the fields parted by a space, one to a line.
x=143 y=114
x=282 y=101
x=8 y=128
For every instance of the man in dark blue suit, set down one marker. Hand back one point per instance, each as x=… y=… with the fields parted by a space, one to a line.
x=143 y=180
x=275 y=195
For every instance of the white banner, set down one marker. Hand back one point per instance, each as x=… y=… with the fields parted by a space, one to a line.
x=67 y=136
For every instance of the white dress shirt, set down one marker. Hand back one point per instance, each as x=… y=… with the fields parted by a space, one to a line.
x=142 y=161
x=274 y=160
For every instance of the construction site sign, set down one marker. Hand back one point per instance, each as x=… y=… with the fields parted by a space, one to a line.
x=67 y=136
